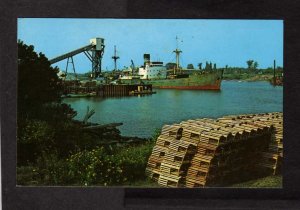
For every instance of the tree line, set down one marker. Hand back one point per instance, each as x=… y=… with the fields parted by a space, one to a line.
x=252 y=67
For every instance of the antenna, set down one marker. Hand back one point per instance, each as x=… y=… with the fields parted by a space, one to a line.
x=115 y=58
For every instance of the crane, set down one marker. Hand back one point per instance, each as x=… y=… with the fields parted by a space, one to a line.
x=94 y=52
x=132 y=67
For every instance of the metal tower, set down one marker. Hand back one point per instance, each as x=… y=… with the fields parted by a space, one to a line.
x=71 y=61
x=177 y=52
x=97 y=54
x=115 y=58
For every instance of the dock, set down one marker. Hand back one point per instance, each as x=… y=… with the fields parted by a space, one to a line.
x=108 y=90
x=214 y=152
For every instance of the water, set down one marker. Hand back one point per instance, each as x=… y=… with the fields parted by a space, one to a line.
x=142 y=115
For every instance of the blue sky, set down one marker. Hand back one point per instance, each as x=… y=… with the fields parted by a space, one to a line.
x=224 y=42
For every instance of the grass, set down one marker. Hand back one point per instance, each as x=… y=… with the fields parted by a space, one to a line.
x=266 y=182
x=146 y=183
x=247 y=77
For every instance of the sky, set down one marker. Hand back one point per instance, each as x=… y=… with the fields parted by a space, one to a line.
x=224 y=42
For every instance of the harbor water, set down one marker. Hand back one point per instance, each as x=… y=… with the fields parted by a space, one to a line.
x=142 y=115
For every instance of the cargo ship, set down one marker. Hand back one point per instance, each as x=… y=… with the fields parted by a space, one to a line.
x=156 y=73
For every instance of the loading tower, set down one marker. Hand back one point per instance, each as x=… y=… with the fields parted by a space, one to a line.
x=94 y=52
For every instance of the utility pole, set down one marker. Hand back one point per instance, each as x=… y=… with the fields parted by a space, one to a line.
x=274 y=72
x=115 y=58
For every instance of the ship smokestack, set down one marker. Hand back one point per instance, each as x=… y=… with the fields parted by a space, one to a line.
x=146 y=59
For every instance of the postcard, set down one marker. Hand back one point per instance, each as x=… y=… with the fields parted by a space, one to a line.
x=150 y=102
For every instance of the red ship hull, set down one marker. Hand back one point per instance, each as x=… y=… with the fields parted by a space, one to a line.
x=216 y=86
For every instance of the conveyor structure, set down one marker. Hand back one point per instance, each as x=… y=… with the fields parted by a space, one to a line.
x=94 y=52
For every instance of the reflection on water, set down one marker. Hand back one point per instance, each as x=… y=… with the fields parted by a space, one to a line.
x=141 y=115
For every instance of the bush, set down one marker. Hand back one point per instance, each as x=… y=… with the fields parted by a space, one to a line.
x=53 y=170
x=34 y=137
x=54 y=113
x=82 y=165
x=100 y=167
x=27 y=175
x=133 y=161
x=155 y=135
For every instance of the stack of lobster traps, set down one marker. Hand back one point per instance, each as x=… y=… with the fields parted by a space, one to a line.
x=272 y=158
x=170 y=157
x=208 y=152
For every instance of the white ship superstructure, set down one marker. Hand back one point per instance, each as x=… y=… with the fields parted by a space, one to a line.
x=152 y=70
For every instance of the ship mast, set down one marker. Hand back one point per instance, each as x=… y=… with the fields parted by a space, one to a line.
x=177 y=52
x=115 y=58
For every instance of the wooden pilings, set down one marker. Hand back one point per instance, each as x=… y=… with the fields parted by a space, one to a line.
x=121 y=90
x=207 y=152
x=109 y=90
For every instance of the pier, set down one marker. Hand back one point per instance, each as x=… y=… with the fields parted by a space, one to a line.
x=107 y=90
x=213 y=152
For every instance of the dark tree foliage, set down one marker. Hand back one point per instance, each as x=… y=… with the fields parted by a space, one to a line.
x=208 y=66
x=170 y=65
x=200 y=66
x=40 y=113
x=37 y=80
x=250 y=63
x=255 y=65
x=190 y=66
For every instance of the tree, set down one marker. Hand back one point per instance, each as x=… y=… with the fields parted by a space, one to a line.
x=190 y=66
x=250 y=63
x=38 y=82
x=255 y=65
x=207 y=67
x=200 y=66
x=171 y=65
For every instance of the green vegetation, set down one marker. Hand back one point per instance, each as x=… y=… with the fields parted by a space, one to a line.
x=269 y=182
x=250 y=74
x=170 y=65
x=53 y=149
x=190 y=66
x=99 y=166
x=266 y=182
x=37 y=80
x=247 y=77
